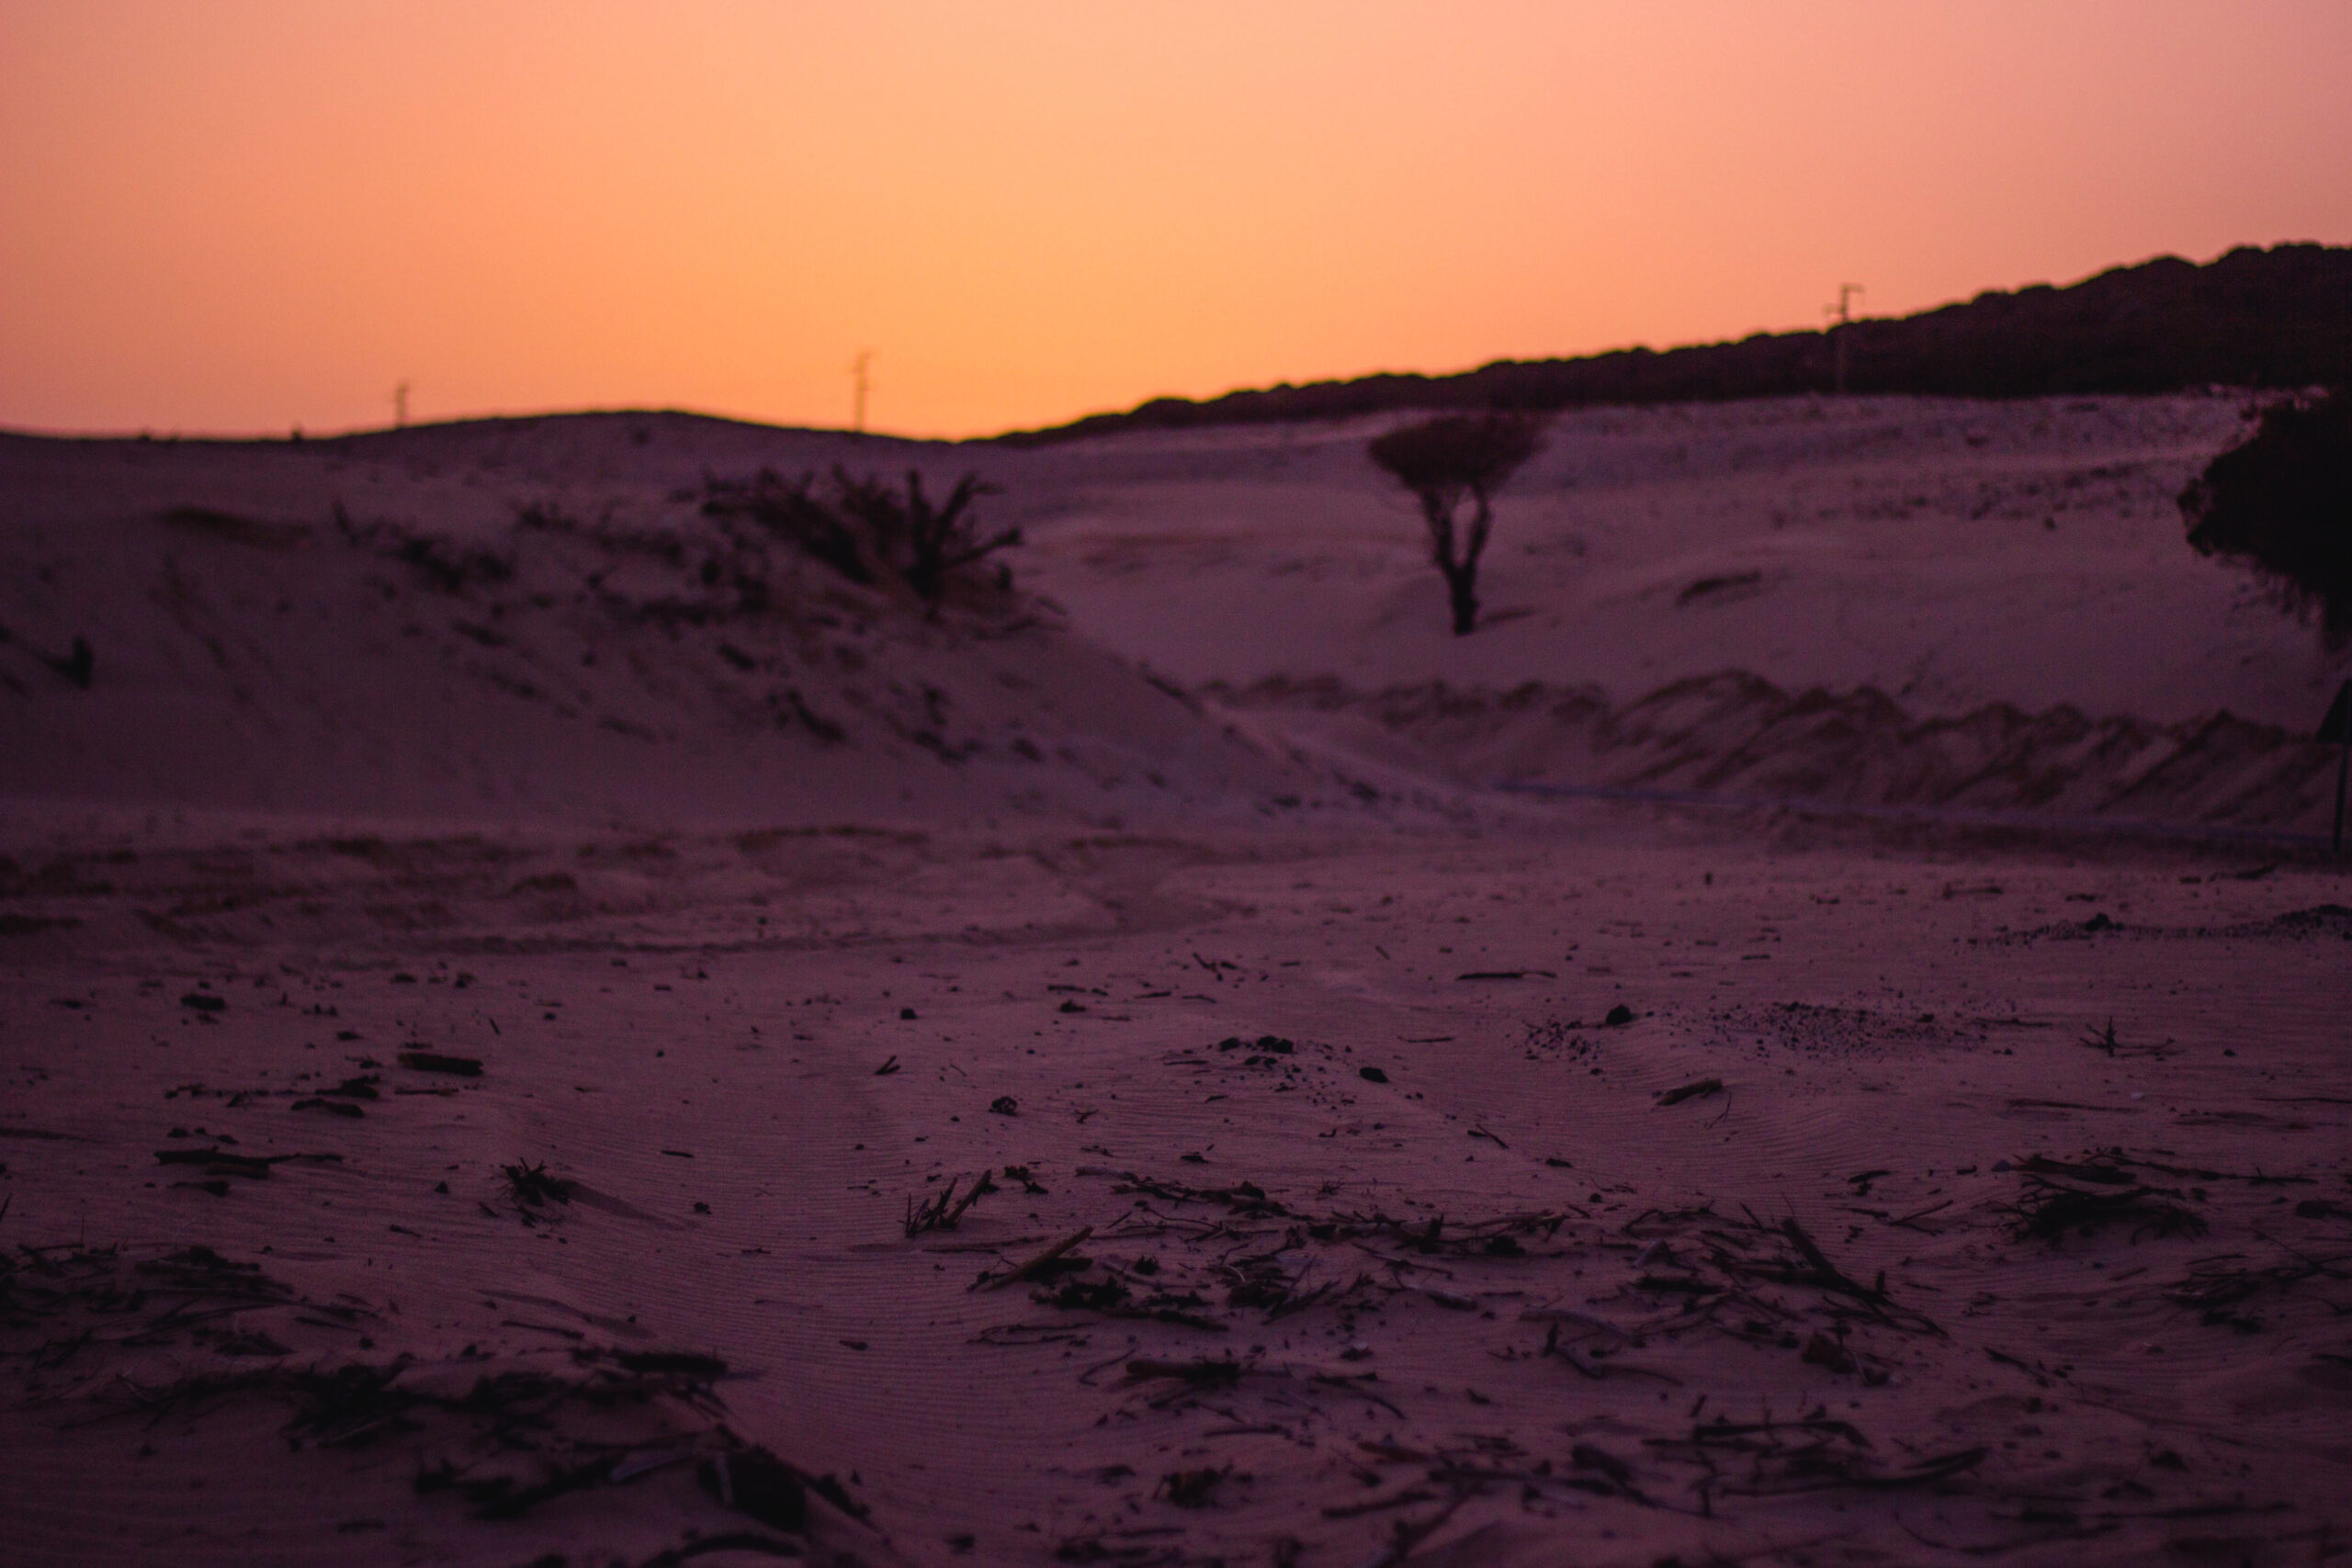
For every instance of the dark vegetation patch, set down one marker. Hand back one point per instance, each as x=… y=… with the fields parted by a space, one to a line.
x=531 y=1186
x=2060 y=1198
x=236 y=529
x=449 y=565
x=2253 y=318
x=2280 y=502
x=867 y=530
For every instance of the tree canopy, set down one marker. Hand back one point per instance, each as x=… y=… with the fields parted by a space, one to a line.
x=1457 y=453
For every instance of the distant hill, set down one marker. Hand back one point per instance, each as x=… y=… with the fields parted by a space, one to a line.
x=2254 y=318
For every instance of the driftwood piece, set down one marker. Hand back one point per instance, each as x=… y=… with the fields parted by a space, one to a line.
x=1040 y=1260
x=1691 y=1091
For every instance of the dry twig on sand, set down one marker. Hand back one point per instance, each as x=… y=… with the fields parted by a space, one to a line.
x=944 y=1211
x=2216 y=1288
x=1034 y=1265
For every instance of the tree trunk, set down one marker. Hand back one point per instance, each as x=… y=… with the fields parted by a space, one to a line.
x=1461 y=577
x=1461 y=589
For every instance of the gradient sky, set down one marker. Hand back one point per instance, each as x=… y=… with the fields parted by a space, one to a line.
x=234 y=216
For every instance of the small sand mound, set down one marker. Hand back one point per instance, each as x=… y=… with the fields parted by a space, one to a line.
x=1736 y=736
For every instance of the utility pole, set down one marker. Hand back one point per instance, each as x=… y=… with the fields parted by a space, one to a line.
x=400 y=406
x=1843 y=311
x=864 y=358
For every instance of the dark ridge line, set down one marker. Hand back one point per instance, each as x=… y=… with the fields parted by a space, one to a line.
x=2251 y=319
x=485 y=423
x=1959 y=817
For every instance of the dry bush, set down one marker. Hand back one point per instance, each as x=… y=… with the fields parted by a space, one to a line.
x=2281 y=503
x=867 y=529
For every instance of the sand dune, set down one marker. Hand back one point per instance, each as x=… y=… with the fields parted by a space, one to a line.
x=509 y=991
x=464 y=632
x=2010 y=577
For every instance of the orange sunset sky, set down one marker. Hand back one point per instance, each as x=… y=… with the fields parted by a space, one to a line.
x=229 y=215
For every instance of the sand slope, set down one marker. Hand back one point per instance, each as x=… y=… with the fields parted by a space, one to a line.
x=513 y=630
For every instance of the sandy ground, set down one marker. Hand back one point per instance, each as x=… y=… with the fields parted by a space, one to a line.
x=442 y=1126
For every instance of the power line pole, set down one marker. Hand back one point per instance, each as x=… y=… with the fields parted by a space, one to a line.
x=400 y=405
x=1843 y=311
x=864 y=358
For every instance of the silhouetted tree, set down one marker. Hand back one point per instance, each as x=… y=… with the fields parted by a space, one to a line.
x=1442 y=461
x=2280 y=500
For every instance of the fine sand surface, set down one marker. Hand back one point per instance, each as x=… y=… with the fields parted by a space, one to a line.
x=498 y=1019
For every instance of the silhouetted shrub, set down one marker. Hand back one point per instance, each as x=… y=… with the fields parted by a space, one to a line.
x=2281 y=501
x=1442 y=461
x=448 y=564
x=922 y=541
x=787 y=509
x=867 y=529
